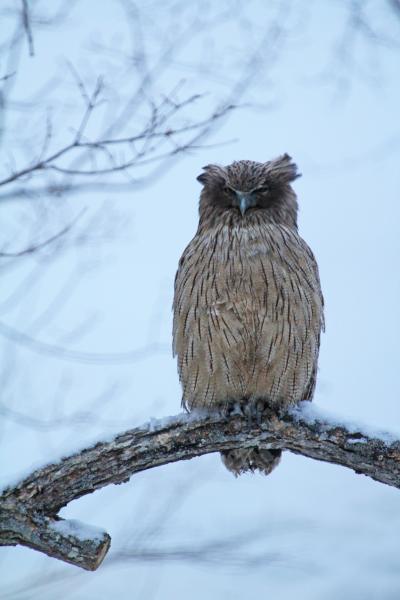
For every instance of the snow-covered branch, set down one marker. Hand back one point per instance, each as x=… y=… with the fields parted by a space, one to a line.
x=28 y=510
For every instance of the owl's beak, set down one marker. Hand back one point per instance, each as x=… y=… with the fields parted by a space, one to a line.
x=245 y=201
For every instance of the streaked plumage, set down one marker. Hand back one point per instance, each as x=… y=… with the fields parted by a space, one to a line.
x=248 y=308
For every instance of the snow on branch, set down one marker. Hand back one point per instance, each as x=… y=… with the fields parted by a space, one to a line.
x=28 y=510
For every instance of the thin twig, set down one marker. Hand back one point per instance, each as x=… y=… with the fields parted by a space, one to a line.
x=27 y=26
x=40 y=245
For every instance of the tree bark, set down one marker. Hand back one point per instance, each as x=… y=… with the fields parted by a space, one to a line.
x=28 y=511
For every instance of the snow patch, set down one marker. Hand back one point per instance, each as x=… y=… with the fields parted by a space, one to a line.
x=79 y=530
x=156 y=424
x=160 y=423
x=311 y=413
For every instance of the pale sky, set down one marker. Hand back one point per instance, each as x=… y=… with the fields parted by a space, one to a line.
x=326 y=532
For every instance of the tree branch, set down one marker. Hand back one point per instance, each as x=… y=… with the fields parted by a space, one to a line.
x=27 y=26
x=40 y=245
x=159 y=128
x=28 y=510
x=69 y=541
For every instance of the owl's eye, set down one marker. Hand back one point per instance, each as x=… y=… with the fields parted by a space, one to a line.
x=228 y=190
x=263 y=188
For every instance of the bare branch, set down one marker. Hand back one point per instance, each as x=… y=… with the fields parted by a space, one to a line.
x=27 y=26
x=29 y=509
x=57 y=538
x=156 y=129
x=90 y=358
x=7 y=76
x=395 y=5
x=40 y=245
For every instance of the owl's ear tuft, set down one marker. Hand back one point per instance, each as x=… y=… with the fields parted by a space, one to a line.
x=212 y=173
x=283 y=169
x=202 y=178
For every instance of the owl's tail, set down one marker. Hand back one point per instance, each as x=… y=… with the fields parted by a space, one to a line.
x=251 y=459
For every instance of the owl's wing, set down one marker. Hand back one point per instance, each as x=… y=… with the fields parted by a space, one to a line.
x=293 y=307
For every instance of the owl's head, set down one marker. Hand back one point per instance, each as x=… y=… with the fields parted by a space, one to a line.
x=248 y=189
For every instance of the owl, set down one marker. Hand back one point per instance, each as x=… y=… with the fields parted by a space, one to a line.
x=248 y=306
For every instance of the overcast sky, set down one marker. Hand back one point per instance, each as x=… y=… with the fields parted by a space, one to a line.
x=325 y=532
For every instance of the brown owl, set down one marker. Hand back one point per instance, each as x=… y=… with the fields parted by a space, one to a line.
x=248 y=307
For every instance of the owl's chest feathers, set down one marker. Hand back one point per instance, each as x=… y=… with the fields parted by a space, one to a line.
x=248 y=274
x=236 y=262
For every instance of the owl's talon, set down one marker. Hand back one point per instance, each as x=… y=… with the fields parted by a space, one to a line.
x=250 y=412
x=254 y=409
x=233 y=408
x=250 y=418
x=259 y=413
